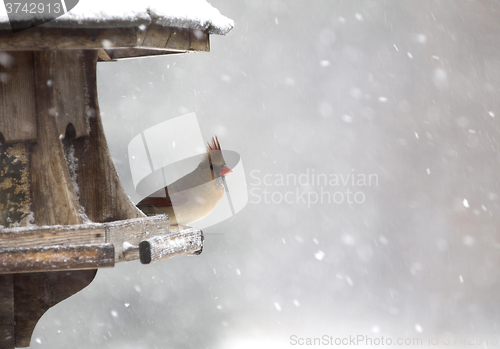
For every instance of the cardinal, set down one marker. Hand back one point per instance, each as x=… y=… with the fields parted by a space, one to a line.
x=194 y=196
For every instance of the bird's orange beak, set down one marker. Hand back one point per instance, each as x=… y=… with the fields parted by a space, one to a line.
x=224 y=171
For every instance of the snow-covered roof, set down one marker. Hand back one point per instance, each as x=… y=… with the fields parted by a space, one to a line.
x=193 y=14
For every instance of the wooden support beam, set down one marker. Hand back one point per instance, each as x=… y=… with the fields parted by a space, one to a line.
x=70 y=103
x=49 y=172
x=100 y=190
x=187 y=241
x=36 y=259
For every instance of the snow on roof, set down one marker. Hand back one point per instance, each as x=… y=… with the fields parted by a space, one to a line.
x=193 y=14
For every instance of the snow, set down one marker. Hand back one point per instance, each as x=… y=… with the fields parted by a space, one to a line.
x=277 y=306
x=193 y=14
x=127 y=245
x=5 y=59
x=319 y=255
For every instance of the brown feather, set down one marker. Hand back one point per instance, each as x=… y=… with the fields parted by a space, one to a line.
x=215 y=144
x=159 y=202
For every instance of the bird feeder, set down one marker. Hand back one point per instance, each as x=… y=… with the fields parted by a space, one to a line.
x=63 y=211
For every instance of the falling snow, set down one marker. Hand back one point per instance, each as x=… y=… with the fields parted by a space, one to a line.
x=277 y=306
x=319 y=255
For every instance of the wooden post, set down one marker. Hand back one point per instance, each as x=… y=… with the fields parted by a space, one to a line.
x=170 y=245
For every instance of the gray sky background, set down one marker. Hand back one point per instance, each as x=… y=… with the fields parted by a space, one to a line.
x=407 y=91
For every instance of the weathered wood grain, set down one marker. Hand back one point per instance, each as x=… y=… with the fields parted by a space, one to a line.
x=157 y=36
x=45 y=38
x=17 y=105
x=70 y=106
x=179 y=40
x=153 y=36
x=101 y=193
x=58 y=235
x=53 y=197
x=165 y=246
x=199 y=41
x=33 y=259
x=15 y=198
x=126 y=235
x=118 y=233
x=7 y=332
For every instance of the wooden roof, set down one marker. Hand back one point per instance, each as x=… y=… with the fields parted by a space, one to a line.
x=158 y=27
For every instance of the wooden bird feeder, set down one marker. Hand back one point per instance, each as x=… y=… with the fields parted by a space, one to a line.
x=63 y=211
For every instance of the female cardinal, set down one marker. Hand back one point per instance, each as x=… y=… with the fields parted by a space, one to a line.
x=195 y=195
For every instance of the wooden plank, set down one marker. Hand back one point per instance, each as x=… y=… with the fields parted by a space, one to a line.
x=153 y=36
x=47 y=38
x=119 y=233
x=7 y=332
x=140 y=32
x=177 y=243
x=54 y=200
x=70 y=103
x=52 y=235
x=101 y=192
x=157 y=36
x=126 y=235
x=17 y=106
x=35 y=293
x=199 y=40
x=33 y=259
x=179 y=40
x=14 y=185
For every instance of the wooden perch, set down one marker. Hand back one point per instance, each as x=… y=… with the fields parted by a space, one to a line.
x=188 y=241
x=31 y=259
x=49 y=246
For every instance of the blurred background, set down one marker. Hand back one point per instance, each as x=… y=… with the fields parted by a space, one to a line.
x=405 y=91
